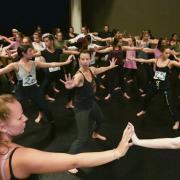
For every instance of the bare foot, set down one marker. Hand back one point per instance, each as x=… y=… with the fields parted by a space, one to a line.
x=98 y=136
x=56 y=90
x=38 y=119
x=73 y=171
x=130 y=81
x=126 y=96
x=69 y=105
x=48 y=98
x=176 y=125
x=141 y=113
x=107 y=97
x=117 y=88
x=143 y=95
x=102 y=77
x=12 y=81
x=102 y=87
x=97 y=98
x=141 y=90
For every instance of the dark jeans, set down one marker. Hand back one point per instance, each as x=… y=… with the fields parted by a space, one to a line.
x=83 y=122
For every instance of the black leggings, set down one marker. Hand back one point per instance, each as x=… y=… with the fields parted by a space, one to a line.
x=51 y=79
x=152 y=91
x=130 y=73
x=83 y=121
x=23 y=94
x=115 y=77
x=5 y=86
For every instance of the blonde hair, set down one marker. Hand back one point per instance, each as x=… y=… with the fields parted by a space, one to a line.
x=4 y=109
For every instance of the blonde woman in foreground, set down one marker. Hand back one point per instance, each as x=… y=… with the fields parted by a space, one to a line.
x=18 y=162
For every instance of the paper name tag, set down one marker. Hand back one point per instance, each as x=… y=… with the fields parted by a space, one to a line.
x=160 y=75
x=53 y=69
x=29 y=81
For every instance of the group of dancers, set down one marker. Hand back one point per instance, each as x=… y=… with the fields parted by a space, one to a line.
x=37 y=68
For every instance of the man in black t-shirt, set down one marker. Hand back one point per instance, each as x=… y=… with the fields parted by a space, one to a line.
x=52 y=75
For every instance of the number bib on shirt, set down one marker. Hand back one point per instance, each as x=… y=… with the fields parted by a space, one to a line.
x=160 y=75
x=29 y=81
x=53 y=69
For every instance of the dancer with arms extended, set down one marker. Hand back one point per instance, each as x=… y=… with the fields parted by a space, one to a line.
x=84 y=101
x=18 y=162
x=161 y=83
x=26 y=87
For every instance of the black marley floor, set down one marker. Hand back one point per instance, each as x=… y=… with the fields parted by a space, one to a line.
x=139 y=163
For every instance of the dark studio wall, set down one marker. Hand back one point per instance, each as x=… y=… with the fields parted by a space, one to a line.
x=132 y=16
x=26 y=15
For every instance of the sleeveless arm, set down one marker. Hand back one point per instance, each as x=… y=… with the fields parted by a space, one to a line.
x=106 y=50
x=41 y=64
x=31 y=161
x=126 y=48
x=100 y=70
x=8 y=68
x=175 y=63
x=148 y=50
x=164 y=143
x=144 y=60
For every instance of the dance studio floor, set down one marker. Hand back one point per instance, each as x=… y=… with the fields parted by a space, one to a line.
x=138 y=164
